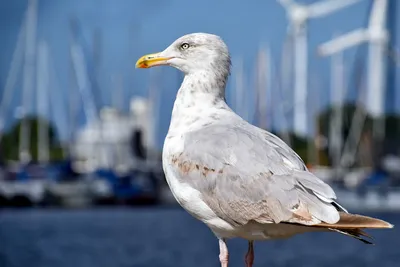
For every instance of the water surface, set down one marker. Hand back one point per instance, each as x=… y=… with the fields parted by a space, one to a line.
x=169 y=238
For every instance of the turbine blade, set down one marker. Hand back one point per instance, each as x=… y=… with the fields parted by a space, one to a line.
x=343 y=42
x=320 y=9
x=286 y=3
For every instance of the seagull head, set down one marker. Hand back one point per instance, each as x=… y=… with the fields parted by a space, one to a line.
x=191 y=53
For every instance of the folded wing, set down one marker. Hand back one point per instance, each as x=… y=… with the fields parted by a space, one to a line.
x=246 y=174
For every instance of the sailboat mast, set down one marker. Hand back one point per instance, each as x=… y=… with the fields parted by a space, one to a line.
x=117 y=92
x=42 y=85
x=154 y=113
x=16 y=62
x=262 y=72
x=28 y=79
x=312 y=145
x=285 y=91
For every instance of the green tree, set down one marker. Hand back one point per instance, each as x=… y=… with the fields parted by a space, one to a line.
x=11 y=139
x=392 y=128
x=348 y=110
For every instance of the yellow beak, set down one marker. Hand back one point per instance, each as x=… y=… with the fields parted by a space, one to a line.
x=151 y=60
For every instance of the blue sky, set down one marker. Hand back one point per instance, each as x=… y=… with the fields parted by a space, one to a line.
x=130 y=29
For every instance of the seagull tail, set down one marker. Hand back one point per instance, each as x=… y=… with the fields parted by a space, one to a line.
x=351 y=225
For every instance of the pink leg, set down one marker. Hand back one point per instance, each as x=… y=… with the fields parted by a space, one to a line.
x=249 y=259
x=223 y=253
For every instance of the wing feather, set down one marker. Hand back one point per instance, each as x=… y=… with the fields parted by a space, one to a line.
x=243 y=174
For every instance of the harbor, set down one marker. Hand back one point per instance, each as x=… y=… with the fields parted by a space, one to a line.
x=113 y=157
x=110 y=159
x=82 y=131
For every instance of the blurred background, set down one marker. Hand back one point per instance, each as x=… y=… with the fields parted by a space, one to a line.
x=81 y=130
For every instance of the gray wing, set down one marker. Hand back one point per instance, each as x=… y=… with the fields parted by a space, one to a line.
x=247 y=174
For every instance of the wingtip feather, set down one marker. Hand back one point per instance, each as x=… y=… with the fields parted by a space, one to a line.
x=349 y=221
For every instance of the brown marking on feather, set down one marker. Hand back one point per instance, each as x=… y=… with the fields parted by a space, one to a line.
x=265 y=174
x=187 y=166
x=184 y=166
x=207 y=170
x=301 y=212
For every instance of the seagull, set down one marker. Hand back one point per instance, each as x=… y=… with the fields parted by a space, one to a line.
x=238 y=179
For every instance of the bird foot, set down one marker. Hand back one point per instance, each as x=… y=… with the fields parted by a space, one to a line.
x=249 y=258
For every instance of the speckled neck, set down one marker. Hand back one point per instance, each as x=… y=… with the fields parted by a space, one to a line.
x=201 y=86
x=200 y=95
x=200 y=89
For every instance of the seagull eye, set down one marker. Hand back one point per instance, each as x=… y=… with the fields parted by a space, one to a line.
x=184 y=46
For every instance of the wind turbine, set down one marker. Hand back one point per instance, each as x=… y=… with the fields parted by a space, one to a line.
x=337 y=101
x=298 y=16
x=376 y=35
